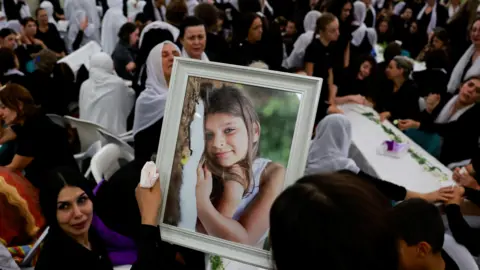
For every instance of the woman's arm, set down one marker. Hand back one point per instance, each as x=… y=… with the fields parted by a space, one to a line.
x=19 y=163
x=461 y=231
x=309 y=68
x=6 y=135
x=78 y=40
x=332 y=88
x=254 y=221
x=346 y=56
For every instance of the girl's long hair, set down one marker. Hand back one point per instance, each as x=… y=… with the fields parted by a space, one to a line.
x=231 y=100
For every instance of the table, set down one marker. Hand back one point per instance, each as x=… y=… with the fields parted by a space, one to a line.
x=367 y=136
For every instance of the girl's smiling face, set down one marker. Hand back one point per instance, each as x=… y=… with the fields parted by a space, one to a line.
x=227 y=139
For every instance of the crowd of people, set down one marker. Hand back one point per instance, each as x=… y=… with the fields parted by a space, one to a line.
x=335 y=217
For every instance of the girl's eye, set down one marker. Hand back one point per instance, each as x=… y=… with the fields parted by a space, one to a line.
x=82 y=199
x=229 y=130
x=208 y=136
x=63 y=206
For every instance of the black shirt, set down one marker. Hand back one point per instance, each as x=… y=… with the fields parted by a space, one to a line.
x=121 y=56
x=46 y=143
x=51 y=39
x=146 y=141
x=402 y=104
x=320 y=56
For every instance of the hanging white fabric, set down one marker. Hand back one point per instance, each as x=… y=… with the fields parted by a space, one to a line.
x=359 y=15
x=433 y=19
x=150 y=105
x=104 y=97
x=112 y=22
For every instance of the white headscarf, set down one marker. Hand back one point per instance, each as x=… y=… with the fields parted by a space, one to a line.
x=310 y=21
x=456 y=77
x=295 y=59
x=48 y=6
x=329 y=149
x=433 y=19
x=203 y=57
x=89 y=33
x=104 y=97
x=159 y=25
x=90 y=8
x=446 y=116
x=150 y=106
x=359 y=15
x=112 y=22
x=134 y=8
x=3 y=22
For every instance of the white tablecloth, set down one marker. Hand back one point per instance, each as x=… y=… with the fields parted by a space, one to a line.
x=367 y=136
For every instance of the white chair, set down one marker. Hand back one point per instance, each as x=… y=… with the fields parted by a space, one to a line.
x=108 y=137
x=57 y=119
x=81 y=56
x=90 y=139
x=106 y=161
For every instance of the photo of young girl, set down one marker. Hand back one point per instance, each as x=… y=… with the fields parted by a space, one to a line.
x=237 y=179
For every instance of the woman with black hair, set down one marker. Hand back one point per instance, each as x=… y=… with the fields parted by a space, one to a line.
x=72 y=242
x=125 y=52
x=358 y=84
x=247 y=45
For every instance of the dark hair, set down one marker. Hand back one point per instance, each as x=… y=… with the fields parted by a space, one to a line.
x=176 y=12
x=246 y=6
x=241 y=30
x=141 y=17
x=54 y=181
x=208 y=13
x=37 y=11
x=415 y=221
x=125 y=31
x=442 y=35
x=5 y=32
x=362 y=59
x=189 y=21
x=336 y=8
x=12 y=95
x=436 y=58
x=323 y=21
x=233 y=101
x=7 y=60
x=26 y=20
x=393 y=49
x=337 y=221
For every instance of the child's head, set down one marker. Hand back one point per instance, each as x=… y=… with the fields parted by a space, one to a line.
x=232 y=131
x=420 y=234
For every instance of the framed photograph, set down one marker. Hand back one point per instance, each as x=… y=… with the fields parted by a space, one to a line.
x=233 y=138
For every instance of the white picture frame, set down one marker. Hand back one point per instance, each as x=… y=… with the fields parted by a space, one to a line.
x=307 y=88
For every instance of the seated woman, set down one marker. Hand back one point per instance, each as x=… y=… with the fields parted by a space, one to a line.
x=125 y=52
x=359 y=82
x=414 y=40
x=193 y=38
x=447 y=117
x=469 y=63
x=329 y=153
x=41 y=144
x=363 y=38
x=438 y=40
x=247 y=45
x=28 y=45
x=384 y=31
x=104 y=97
x=67 y=204
x=8 y=38
x=48 y=33
x=398 y=97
